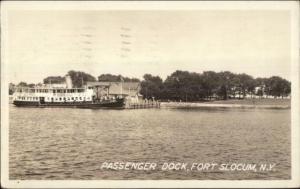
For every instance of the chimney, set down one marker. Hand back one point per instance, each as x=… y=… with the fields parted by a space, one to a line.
x=68 y=82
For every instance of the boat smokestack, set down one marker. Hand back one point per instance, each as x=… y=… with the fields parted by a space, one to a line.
x=69 y=82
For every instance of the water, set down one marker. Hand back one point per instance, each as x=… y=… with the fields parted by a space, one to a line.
x=54 y=143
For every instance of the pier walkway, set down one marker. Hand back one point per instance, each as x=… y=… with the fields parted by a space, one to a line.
x=143 y=104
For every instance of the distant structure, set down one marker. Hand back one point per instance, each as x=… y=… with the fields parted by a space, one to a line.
x=128 y=90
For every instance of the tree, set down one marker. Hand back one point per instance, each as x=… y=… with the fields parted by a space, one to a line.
x=246 y=84
x=184 y=85
x=152 y=86
x=22 y=84
x=11 y=88
x=109 y=77
x=80 y=78
x=279 y=87
x=177 y=85
x=31 y=85
x=116 y=78
x=226 y=84
x=54 y=80
x=210 y=82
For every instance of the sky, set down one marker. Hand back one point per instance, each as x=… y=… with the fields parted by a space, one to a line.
x=132 y=43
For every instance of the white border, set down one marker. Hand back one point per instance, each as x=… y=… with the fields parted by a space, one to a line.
x=292 y=6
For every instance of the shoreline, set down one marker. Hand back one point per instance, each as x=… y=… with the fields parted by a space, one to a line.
x=246 y=103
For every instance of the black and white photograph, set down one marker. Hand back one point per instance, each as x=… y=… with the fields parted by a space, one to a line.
x=149 y=94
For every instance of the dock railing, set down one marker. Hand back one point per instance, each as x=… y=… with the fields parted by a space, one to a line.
x=143 y=104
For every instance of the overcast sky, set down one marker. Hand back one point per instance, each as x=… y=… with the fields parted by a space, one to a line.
x=132 y=43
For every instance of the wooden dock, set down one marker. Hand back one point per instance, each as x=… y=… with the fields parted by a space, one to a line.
x=143 y=104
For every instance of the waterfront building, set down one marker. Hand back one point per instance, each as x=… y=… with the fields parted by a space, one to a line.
x=128 y=90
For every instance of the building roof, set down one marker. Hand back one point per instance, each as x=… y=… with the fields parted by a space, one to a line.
x=129 y=88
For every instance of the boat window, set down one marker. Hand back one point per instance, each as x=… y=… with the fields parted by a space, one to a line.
x=76 y=98
x=59 y=98
x=80 y=98
x=52 y=99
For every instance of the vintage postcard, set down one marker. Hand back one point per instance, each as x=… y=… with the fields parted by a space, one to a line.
x=152 y=94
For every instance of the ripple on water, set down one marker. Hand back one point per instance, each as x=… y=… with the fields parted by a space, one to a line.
x=72 y=143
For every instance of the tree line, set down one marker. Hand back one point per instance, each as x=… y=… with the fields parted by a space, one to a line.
x=191 y=86
x=187 y=86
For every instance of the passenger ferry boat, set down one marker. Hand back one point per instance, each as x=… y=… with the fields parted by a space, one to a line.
x=63 y=97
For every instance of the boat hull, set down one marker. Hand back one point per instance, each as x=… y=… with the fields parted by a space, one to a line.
x=119 y=104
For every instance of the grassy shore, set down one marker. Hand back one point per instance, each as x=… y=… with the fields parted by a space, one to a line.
x=263 y=101
x=243 y=103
